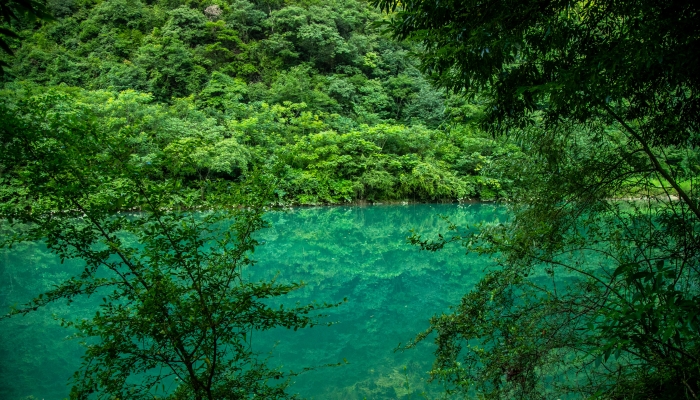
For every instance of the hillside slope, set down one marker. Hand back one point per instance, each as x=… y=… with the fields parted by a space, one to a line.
x=309 y=89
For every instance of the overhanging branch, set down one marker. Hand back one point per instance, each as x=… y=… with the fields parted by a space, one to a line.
x=657 y=165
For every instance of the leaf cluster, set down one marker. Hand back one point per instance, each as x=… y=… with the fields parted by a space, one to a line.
x=564 y=60
x=175 y=305
x=597 y=290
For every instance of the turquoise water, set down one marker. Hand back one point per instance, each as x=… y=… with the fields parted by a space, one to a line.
x=358 y=253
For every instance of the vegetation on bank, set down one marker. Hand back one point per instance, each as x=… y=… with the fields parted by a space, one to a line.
x=173 y=104
x=310 y=90
x=315 y=158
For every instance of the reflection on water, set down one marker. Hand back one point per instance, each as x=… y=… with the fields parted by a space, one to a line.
x=355 y=252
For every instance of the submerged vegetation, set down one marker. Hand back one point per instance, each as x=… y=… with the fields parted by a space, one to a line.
x=561 y=108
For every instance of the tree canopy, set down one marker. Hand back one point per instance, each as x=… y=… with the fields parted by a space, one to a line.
x=565 y=60
x=268 y=75
x=176 y=304
x=167 y=106
x=634 y=63
x=597 y=290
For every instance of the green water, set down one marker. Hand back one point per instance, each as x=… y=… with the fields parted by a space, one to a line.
x=355 y=252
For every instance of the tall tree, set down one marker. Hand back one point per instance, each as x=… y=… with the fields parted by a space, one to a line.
x=176 y=305
x=630 y=62
x=604 y=96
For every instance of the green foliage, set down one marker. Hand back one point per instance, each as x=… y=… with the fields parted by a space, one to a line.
x=595 y=295
x=298 y=52
x=17 y=11
x=175 y=302
x=177 y=101
x=266 y=78
x=218 y=136
x=565 y=61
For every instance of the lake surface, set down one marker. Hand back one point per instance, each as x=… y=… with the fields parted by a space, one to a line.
x=358 y=253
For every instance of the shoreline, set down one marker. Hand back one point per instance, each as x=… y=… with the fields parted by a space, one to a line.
x=367 y=203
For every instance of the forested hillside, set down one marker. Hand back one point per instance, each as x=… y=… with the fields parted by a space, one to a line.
x=309 y=90
x=167 y=107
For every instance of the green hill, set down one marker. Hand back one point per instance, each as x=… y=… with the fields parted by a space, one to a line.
x=310 y=90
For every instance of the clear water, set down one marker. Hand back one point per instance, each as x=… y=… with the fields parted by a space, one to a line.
x=355 y=252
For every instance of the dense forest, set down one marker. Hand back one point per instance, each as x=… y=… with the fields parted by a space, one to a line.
x=311 y=90
x=583 y=117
